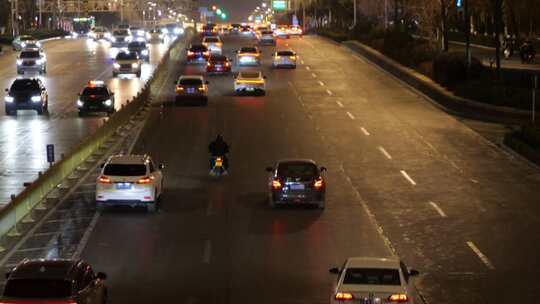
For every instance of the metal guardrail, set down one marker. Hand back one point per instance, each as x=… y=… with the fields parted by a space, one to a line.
x=22 y=205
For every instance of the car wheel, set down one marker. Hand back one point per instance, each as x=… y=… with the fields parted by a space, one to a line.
x=45 y=71
x=205 y=101
x=151 y=207
x=19 y=72
x=263 y=93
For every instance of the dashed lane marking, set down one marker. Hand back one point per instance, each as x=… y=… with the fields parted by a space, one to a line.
x=329 y=92
x=308 y=68
x=350 y=115
x=407 y=177
x=384 y=152
x=365 y=131
x=339 y=104
x=438 y=209
x=314 y=75
x=207 y=254
x=480 y=255
x=321 y=83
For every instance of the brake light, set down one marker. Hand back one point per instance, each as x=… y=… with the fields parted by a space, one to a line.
x=206 y=53
x=278 y=57
x=276 y=184
x=227 y=64
x=179 y=88
x=145 y=180
x=105 y=180
x=343 y=296
x=190 y=53
x=398 y=298
x=319 y=183
x=201 y=88
x=293 y=57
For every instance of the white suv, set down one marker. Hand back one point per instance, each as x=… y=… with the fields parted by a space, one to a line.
x=213 y=43
x=129 y=180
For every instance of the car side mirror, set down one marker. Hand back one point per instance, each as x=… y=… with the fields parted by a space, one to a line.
x=323 y=169
x=334 y=270
x=269 y=169
x=161 y=166
x=414 y=272
x=101 y=276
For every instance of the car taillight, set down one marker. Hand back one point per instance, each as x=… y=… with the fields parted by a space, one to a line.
x=292 y=57
x=201 y=88
x=145 y=180
x=398 y=298
x=318 y=184
x=276 y=184
x=105 y=180
x=190 y=53
x=179 y=88
x=209 y=64
x=206 y=53
x=343 y=296
x=227 y=64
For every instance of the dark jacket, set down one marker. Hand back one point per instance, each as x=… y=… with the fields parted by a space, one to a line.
x=218 y=147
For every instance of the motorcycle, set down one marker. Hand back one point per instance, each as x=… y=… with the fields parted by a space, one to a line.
x=508 y=52
x=218 y=168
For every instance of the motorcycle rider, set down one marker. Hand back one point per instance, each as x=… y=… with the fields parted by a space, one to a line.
x=219 y=147
x=526 y=50
x=508 y=47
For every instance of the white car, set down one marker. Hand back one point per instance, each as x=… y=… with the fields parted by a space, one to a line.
x=31 y=60
x=267 y=38
x=284 y=59
x=99 y=33
x=213 y=43
x=121 y=38
x=248 y=56
x=129 y=180
x=295 y=30
x=373 y=280
x=127 y=63
x=250 y=82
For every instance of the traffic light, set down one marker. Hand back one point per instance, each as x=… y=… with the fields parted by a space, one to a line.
x=214 y=7
x=223 y=16
x=218 y=11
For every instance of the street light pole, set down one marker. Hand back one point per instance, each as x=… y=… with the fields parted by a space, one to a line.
x=467 y=32
x=385 y=14
x=354 y=16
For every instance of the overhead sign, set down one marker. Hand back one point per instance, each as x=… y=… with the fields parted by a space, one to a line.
x=279 y=5
x=50 y=154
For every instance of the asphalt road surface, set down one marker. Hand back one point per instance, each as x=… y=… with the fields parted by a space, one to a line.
x=71 y=63
x=401 y=174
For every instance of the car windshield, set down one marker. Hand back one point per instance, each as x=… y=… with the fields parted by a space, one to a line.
x=212 y=39
x=99 y=91
x=249 y=75
x=125 y=170
x=372 y=276
x=26 y=38
x=297 y=170
x=267 y=32
x=285 y=53
x=218 y=58
x=37 y=288
x=198 y=48
x=24 y=85
x=248 y=50
x=190 y=81
x=99 y=29
x=137 y=44
x=30 y=54
x=126 y=56
x=120 y=33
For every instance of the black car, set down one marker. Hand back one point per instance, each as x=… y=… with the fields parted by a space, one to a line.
x=95 y=97
x=140 y=48
x=197 y=53
x=54 y=281
x=26 y=94
x=296 y=182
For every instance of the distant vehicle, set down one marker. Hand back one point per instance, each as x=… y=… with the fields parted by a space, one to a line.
x=140 y=48
x=246 y=31
x=192 y=87
x=95 y=97
x=137 y=34
x=248 y=56
x=373 y=280
x=99 y=33
x=295 y=30
x=250 y=82
x=121 y=38
x=284 y=59
x=296 y=182
x=213 y=43
x=235 y=28
x=282 y=31
x=209 y=30
x=26 y=94
x=129 y=180
x=127 y=63
x=31 y=60
x=54 y=281
x=173 y=29
x=267 y=38
x=197 y=53
x=155 y=35
x=218 y=64
x=25 y=41
x=123 y=27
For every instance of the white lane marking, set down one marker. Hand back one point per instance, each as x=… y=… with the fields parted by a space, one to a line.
x=364 y=131
x=307 y=67
x=384 y=152
x=86 y=236
x=321 y=83
x=329 y=92
x=480 y=255
x=438 y=209
x=339 y=104
x=207 y=254
x=474 y=181
x=350 y=115
x=407 y=177
x=314 y=75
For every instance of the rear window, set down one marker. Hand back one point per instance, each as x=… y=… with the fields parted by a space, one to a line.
x=120 y=33
x=30 y=54
x=248 y=50
x=249 y=75
x=198 y=48
x=190 y=81
x=24 y=85
x=26 y=38
x=372 y=276
x=218 y=58
x=211 y=39
x=37 y=288
x=298 y=170
x=100 y=91
x=267 y=32
x=126 y=56
x=125 y=170
x=285 y=53
x=137 y=44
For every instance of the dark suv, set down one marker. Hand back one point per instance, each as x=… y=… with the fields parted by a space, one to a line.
x=54 y=281
x=296 y=181
x=95 y=97
x=26 y=94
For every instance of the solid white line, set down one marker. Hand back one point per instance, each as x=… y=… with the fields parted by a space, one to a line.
x=329 y=92
x=364 y=131
x=339 y=104
x=385 y=153
x=308 y=68
x=408 y=177
x=314 y=75
x=350 y=115
x=207 y=252
x=438 y=209
x=482 y=257
x=321 y=83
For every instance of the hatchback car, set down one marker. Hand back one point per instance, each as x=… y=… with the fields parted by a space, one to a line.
x=140 y=48
x=26 y=94
x=250 y=82
x=218 y=64
x=137 y=34
x=24 y=41
x=248 y=56
x=95 y=97
x=284 y=59
x=373 y=280
x=191 y=87
x=213 y=43
x=54 y=281
x=99 y=33
x=296 y=181
x=129 y=180
x=127 y=63
x=267 y=38
x=31 y=60
x=197 y=53
x=120 y=38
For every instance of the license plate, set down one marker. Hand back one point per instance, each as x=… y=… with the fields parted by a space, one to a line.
x=191 y=90
x=297 y=187
x=123 y=186
x=219 y=163
x=218 y=66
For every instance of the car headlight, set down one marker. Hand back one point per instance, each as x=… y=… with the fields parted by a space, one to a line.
x=79 y=103
x=116 y=65
x=9 y=99
x=140 y=39
x=134 y=65
x=144 y=52
x=39 y=61
x=164 y=30
x=107 y=35
x=113 y=39
x=23 y=44
x=140 y=33
x=19 y=61
x=36 y=98
x=179 y=31
x=128 y=39
x=38 y=43
x=108 y=102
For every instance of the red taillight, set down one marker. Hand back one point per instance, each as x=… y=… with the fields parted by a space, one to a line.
x=398 y=298
x=276 y=184
x=206 y=53
x=318 y=184
x=227 y=64
x=105 y=180
x=190 y=53
x=209 y=64
x=343 y=296
x=145 y=180
x=179 y=88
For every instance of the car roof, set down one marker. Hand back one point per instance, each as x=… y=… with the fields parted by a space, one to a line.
x=373 y=262
x=199 y=77
x=249 y=73
x=44 y=269
x=296 y=161
x=248 y=47
x=128 y=159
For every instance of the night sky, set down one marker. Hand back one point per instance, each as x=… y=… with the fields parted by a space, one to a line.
x=238 y=10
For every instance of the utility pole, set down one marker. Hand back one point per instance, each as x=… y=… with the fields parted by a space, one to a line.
x=467 y=32
x=14 y=17
x=354 y=15
x=386 y=14
x=40 y=7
